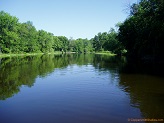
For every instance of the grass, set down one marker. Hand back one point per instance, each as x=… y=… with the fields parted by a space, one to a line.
x=26 y=54
x=105 y=53
x=56 y=52
x=22 y=54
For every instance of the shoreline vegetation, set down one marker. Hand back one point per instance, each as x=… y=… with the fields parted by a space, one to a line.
x=105 y=53
x=2 y=55
x=17 y=38
x=22 y=54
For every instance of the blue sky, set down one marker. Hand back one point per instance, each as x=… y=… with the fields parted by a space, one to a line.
x=70 y=18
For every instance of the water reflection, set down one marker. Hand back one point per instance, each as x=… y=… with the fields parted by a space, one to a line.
x=77 y=84
x=18 y=71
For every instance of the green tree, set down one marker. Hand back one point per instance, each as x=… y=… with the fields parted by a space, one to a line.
x=24 y=35
x=64 y=43
x=96 y=43
x=57 y=44
x=142 y=33
x=9 y=38
x=107 y=42
x=46 y=41
x=32 y=38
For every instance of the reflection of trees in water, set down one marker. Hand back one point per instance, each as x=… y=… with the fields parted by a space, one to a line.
x=146 y=93
x=109 y=63
x=18 y=71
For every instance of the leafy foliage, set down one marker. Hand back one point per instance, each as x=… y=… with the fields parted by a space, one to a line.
x=16 y=37
x=108 y=42
x=142 y=33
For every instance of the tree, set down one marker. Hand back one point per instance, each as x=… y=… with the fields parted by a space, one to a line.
x=46 y=41
x=32 y=37
x=107 y=42
x=57 y=44
x=16 y=37
x=23 y=34
x=96 y=43
x=9 y=39
x=142 y=32
x=64 y=43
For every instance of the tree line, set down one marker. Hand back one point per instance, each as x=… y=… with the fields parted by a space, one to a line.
x=140 y=36
x=16 y=37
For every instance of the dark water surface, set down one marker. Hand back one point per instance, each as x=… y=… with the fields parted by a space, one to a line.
x=76 y=89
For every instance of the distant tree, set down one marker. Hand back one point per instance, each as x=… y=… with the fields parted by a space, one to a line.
x=46 y=41
x=16 y=37
x=32 y=38
x=107 y=42
x=23 y=34
x=64 y=43
x=57 y=44
x=96 y=43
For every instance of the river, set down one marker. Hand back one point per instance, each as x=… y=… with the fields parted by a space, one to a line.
x=76 y=88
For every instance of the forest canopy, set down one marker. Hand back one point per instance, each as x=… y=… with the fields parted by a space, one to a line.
x=16 y=37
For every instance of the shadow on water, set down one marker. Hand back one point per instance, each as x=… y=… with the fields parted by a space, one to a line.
x=146 y=93
x=149 y=68
x=144 y=83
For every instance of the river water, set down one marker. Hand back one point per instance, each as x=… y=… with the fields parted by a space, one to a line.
x=77 y=88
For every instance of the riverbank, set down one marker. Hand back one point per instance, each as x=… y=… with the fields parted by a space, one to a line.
x=106 y=53
x=56 y=52
x=26 y=54
x=22 y=54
